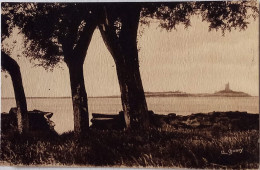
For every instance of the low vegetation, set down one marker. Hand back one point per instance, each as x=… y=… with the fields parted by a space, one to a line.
x=160 y=147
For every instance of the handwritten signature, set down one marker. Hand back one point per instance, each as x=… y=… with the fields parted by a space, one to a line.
x=231 y=151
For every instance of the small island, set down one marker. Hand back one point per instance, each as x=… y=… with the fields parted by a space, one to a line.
x=227 y=92
x=230 y=93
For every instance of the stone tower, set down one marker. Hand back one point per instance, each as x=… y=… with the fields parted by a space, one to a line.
x=227 y=87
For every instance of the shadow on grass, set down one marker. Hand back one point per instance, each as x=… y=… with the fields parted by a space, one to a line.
x=189 y=148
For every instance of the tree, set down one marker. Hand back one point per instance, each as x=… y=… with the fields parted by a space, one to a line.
x=58 y=32
x=10 y=65
x=119 y=31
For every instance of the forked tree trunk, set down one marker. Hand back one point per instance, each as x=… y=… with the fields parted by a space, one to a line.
x=13 y=69
x=74 y=58
x=123 y=47
x=79 y=98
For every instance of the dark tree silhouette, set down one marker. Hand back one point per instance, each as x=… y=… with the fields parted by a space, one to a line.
x=10 y=65
x=59 y=32
x=119 y=31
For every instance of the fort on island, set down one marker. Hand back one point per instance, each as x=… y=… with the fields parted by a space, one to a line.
x=230 y=93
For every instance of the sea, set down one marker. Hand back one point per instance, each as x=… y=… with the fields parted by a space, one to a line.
x=63 y=111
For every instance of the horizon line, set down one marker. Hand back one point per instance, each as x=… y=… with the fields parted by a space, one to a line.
x=109 y=96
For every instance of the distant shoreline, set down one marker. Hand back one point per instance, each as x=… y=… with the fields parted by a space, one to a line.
x=119 y=97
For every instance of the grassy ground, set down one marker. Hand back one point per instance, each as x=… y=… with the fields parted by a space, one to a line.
x=166 y=147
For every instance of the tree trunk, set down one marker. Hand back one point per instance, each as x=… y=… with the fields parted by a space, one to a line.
x=13 y=68
x=79 y=98
x=123 y=47
x=74 y=56
x=132 y=94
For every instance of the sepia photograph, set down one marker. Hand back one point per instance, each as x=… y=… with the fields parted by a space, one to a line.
x=162 y=84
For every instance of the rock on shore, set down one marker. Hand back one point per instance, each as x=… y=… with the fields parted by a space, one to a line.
x=211 y=121
x=39 y=121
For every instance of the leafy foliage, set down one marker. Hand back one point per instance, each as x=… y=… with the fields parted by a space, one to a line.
x=51 y=28
x=223 y=15
x=47 y=26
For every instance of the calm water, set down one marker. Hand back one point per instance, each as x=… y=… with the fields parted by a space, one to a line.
x=63 y=117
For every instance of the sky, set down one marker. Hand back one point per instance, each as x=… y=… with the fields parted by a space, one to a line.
x=191 y=60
